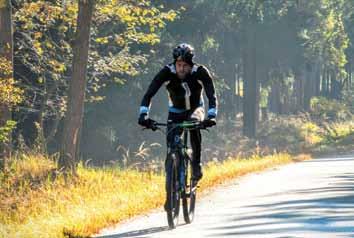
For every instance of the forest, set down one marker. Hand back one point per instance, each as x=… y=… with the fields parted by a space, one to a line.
x=73 y=73
x=266 y=57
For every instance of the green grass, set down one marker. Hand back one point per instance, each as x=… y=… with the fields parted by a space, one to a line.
x=35 y=202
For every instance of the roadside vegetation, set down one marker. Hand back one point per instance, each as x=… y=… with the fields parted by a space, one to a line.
x=37 y=201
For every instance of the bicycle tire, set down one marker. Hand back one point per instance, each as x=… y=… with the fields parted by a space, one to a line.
x=172 y=191
x=189 y=194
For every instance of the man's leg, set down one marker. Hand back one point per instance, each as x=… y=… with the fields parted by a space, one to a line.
x=196 y=140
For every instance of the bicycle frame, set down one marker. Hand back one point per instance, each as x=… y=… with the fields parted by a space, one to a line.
x=180 y=146
x=177 y=166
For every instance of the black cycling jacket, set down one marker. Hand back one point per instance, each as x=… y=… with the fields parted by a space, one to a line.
x=183 y=94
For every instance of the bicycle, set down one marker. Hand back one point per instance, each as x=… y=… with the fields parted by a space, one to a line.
x=179 y=173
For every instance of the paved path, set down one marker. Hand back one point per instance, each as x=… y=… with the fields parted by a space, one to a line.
x=307 y=199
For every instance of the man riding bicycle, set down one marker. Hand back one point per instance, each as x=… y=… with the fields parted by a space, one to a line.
x=184 y=81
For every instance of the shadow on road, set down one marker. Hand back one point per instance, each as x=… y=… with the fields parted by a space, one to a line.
x=326 y=209
x=138 y=233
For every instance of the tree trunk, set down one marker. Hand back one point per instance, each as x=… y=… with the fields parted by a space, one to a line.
x=238 y=97
x=76 y=94
x=317 y=83
x=45 y=135
x=235 y=90
x=251 y=87
x=298 y=89
x=228 y=98
x=350 y=74
x=260 y=72
x=335 y=86
x=6 y=52
x=323 y=81
x=308 y=87
x=328 y=77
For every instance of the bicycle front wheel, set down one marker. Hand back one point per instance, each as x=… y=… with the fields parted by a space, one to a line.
x=172 y=190
x=189 y=194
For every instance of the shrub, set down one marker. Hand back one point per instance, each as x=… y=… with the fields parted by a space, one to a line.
x=348 y=98
x=326 y=109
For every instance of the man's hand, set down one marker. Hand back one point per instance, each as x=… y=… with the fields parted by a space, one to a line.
x=210 y=121
x=145 y=121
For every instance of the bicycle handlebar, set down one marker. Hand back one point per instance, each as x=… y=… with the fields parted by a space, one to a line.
x=187 y=125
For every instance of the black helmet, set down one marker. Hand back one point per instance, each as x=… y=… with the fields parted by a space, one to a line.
x=185 y=51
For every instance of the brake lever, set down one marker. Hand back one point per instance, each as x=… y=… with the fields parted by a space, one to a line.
x=203 y=127
x=153 y=128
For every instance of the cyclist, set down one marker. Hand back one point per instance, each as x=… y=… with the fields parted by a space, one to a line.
x=184 y=82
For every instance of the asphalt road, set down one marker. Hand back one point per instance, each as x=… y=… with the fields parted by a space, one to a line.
x=307 y=199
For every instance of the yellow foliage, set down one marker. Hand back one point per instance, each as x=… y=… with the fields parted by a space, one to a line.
x=102 y=40
x=48 y=44
x=3 y=3
x=46 y=13
x=141 y=21
x=170 y=15
x=120 y=40
x=9 y=93
x=37 y=46
x=57 y=66
x=311 y=132
x=341 y=129
x=330 y=21
x=5 y=66
x=37 y=35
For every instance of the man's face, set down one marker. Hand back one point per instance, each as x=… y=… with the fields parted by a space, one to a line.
x=182 y=69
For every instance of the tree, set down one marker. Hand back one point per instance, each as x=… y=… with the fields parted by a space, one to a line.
x=6 y=73
x=122 y=33
x=76 y=95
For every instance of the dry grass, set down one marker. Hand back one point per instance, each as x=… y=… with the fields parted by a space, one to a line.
x=34 y=204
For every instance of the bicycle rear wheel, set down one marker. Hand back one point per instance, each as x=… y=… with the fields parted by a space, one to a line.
x=172 y=191
x=189 y=193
